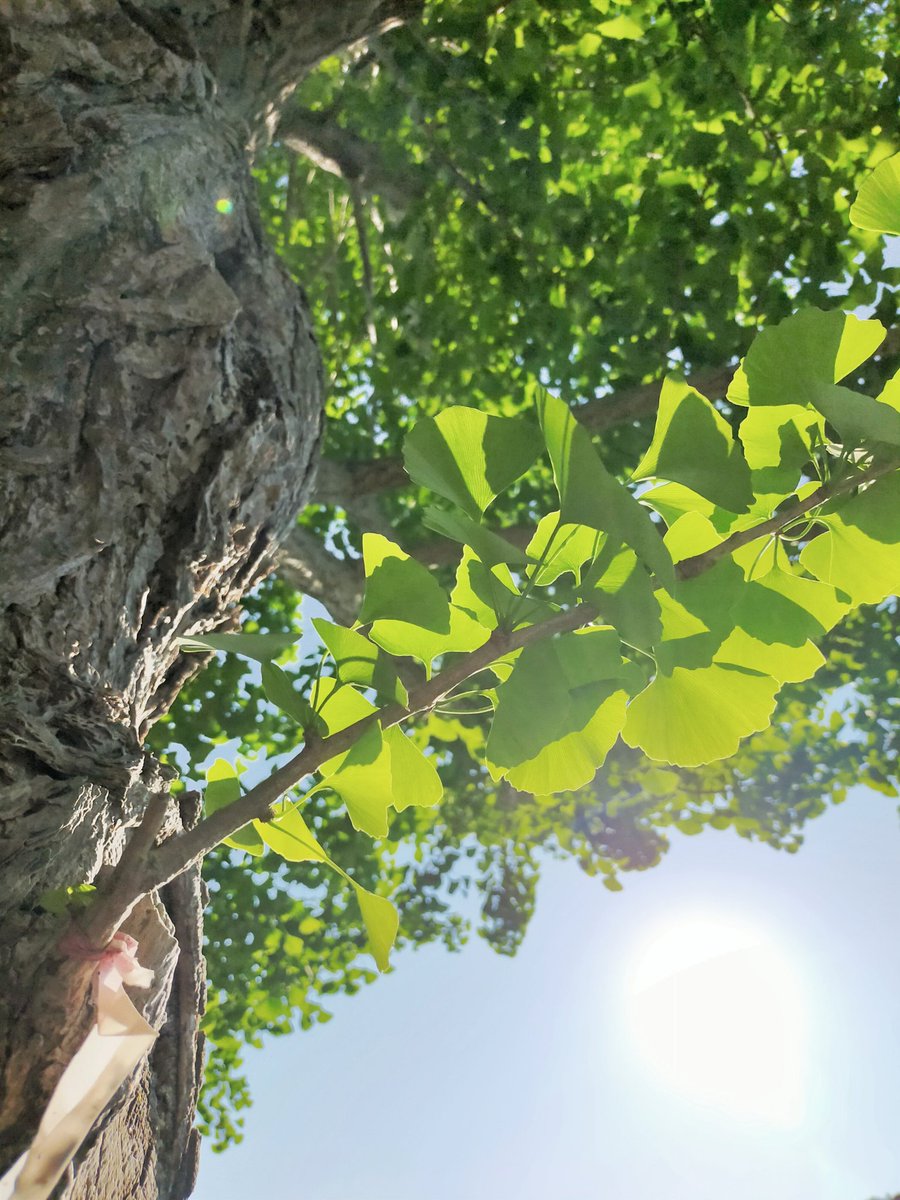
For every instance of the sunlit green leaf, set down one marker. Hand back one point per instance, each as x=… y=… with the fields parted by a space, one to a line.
x=259 y=646
x=621 y=28
x=223 y=788
x=693 y=445
x=469 y=456
x=415 y=780
x=858 y=553
x=801 y=358
x=490 y=547
x=552 y=697
x=778 y=441
x=382 y=922
x=626 y=598
x=786 y=663
x=697 y=716
x=358 y=661
x=400 y=589
x=860 y=419
x=280 y=691
x=877 y=206
x=290 y=836
x=363 y=781
x=562 y=547
x=589 y=495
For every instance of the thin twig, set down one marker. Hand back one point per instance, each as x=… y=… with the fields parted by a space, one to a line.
x=689 y=567
x=150 y=867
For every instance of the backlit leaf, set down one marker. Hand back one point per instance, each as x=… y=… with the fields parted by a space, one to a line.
x=803 y=356
x=698 y=716
x=877 y=206
x=589 y=495
x=858 y=553
x=491 y=547
x=358 y=661
x=469 y=456
x=363 y=781
x=290 y=836
x=259 y=646
x=381 y=920
x=415 y=780
x=693 y=445
x=400 y=589
x=621 y=28
x=280 y=691
x=570 y=547
x=223 y=788
x=552 y=697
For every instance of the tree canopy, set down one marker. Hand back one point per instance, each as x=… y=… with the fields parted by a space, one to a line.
x=582 y=195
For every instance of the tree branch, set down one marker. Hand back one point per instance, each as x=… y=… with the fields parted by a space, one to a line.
x=340 y=152
x=163 y=863
x=176 y=854
x=306 y=565
x=688 y=568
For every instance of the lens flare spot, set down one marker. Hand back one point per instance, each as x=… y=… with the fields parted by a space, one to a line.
x=718 y=1013
x=225 y=206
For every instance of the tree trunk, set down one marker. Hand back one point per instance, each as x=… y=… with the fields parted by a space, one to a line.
x=160 y=413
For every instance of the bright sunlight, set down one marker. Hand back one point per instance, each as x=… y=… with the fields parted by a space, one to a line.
x=718 y=1014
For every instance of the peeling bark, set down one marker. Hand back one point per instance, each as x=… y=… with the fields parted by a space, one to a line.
x=160 y=414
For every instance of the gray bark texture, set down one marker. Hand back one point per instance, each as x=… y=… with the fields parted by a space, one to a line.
x=160 y=414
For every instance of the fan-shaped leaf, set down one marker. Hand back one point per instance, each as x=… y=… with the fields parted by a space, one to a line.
x=693 y=717
x=858 y=554
x=468 y=456
x=877 y=206
x=589 y=495
x=223 y=788
x=693 y=445
x=802 y=357
x=358 y=661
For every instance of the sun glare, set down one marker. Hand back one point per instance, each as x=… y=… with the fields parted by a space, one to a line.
x=717 y=1011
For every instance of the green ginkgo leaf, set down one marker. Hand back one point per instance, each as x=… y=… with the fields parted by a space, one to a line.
x=280 y=691
x=414 y=778
x=574 y=759
x=859 y=419
x=589 y=495
x=400 y=589
x=362 y=779
x=877 y=206
x=468 y=456
x=693 y=445
x=621 y=28
x=858 y=553
x=800 y=359
x=625 y=595
x=358 y=661
x=289 y=835
x=555 y=690
x=779 y=440
x=381 y=920
x=560 y=548
x=786 y=663
x=259 y=646
x=691 y=717
x=490 y=547
x=223 y=788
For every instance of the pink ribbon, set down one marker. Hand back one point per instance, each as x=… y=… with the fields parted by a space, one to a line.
x=113 y=1048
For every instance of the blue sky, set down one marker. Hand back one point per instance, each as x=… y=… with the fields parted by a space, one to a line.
x=475 y=1077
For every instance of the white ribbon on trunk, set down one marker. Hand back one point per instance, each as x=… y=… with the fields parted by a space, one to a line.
x=113 y=1048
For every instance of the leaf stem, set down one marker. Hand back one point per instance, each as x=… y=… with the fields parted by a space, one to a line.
x=144 y=867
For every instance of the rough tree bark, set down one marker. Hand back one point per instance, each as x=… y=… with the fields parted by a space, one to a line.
x=160 y=412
